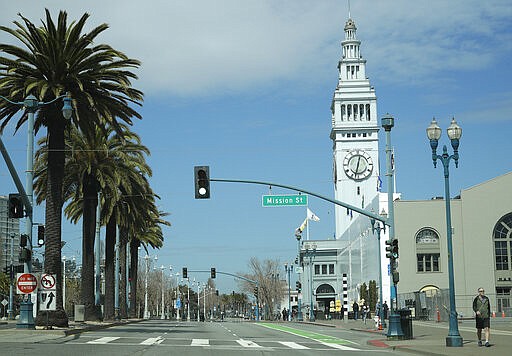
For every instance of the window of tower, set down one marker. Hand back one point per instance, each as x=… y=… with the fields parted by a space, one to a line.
x=349 y=111
x=368 y=112
x=361 y=110
x=343 y=113
x=357 y=71
x=348 y=71
x=358 y=190
x=355 y=111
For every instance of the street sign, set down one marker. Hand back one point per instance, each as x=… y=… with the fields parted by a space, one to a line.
x=26 y=283
x=48 y=282
x=47 y=300
x=284 y=200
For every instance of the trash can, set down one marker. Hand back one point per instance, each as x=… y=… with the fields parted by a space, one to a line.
x=79 y=313
x=406 y=323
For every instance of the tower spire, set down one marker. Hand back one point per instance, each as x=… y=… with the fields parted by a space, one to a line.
x=349 y=9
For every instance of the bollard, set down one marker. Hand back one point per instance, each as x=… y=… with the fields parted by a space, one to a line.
x=494 y=314
x=502 y=313
x=438 y=315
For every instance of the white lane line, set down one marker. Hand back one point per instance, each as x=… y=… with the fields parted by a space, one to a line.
x=152 y=341
x=293 y=345
x=200 y=342
x=103 y=340
x=247 y=343
x=340 y=347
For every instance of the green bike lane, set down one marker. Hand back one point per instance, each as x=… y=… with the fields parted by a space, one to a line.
x=329 y=340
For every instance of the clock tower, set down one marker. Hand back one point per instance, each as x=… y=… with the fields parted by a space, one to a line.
x=354 y=134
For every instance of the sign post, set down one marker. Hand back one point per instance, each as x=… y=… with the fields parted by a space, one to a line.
x=48 y=292
x=26 y=283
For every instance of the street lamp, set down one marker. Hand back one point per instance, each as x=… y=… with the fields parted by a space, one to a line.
x=311 y=252
x=178 y=302
x=31 y=105
x=64 y=282
x=394 y=329
x=188 y=299
x=454 y=133
x=198 y=298
x=298 y=236
x=377 y=228
x=289 y=270
x=163 y=286
x=146 y=311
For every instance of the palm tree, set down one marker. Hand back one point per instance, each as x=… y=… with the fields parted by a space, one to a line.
x=103 y=162
x=56 y=58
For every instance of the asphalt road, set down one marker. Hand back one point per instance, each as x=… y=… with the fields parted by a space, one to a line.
x=163 y=337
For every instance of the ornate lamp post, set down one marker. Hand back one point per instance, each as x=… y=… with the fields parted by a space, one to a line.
x=288 y=270
x=146 y=311
x=178 y=301
x=300 y=317
x=311 y=253
x=162 y=316
x=454 y=133
x=31 y=105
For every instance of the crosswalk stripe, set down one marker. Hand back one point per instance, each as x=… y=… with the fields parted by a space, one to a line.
x=103 y=340
x=152 y=341
x=200 y=342
x=338 y=346
x=293 y=345
x=247 y=343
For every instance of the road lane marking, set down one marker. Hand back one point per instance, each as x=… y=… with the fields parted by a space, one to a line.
x=247 y=343
x=293 y=345
x=103 y=340
x=200 y=342
x=152 y=341
x=340 y=347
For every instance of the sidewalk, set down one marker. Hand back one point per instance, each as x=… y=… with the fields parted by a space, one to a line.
x=429 y=338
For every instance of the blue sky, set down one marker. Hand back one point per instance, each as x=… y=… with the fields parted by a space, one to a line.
x=246 y=87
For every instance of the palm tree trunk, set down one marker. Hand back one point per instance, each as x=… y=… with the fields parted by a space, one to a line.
x=53 y=217
x=90 y=203
x=110 y=241
x=123 y=239
x=134 y=264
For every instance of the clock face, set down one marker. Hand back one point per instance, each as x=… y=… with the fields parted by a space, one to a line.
x=358 y=165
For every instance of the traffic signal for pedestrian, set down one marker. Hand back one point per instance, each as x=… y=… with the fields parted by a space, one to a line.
x=213 y=273
x=396 y=276
x=298 y=286
x=394 y=248
x=202 y=182
x=217 y=292
x=185 y=274
x=40 y=235
x=23 y=240
x=15 y=206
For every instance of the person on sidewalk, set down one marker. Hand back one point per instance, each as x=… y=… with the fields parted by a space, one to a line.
x=482 y=309
x=355 y=309
x=365 y=312
x=385 y=308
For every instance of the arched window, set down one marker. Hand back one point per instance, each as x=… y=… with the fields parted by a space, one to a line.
x=427 y=251
x=502 y=237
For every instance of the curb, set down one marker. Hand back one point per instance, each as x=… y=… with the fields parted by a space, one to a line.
x=79 y=330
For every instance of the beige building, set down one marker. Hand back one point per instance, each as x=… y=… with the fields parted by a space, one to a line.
x=482 y=249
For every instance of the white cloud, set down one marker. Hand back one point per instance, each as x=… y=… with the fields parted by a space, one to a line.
x=208 y=48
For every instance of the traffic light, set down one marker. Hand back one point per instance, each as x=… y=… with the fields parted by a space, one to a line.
x=298 y=286
x=256 y=292
x=15 y=206
x=202 y=182
x=394 y=248
x=40 y=235
x=396 y=277
x=184 y=274
x=389 y=249
x=217 y=292
x=23 y=240
x=213 y=273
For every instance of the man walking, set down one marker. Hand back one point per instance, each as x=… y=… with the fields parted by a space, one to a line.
x=482 y=309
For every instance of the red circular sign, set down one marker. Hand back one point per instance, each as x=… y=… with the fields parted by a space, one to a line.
x=27 y=283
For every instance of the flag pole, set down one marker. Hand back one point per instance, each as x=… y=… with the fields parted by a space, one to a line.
x=307 y=225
